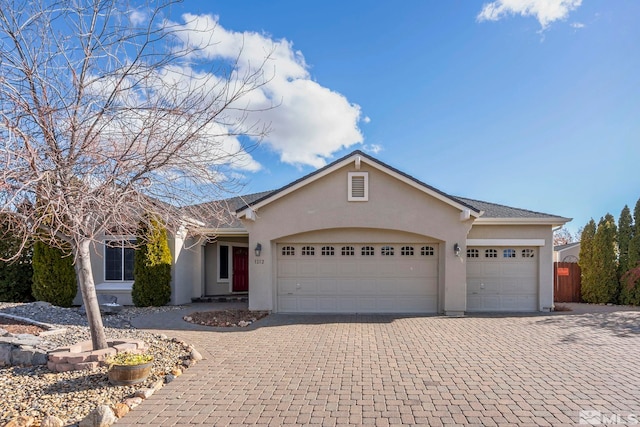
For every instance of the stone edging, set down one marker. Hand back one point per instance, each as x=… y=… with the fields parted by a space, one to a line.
x=50 y=329
x=81 y=356
x=105 y=415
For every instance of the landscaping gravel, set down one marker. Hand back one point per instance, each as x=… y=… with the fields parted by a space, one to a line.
x=36 y=391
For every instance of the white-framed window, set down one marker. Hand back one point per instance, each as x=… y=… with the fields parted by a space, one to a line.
x=288 y=251
x=328 y=251
x=528 y=253
x=473 y=253
x=348 y=251
x=427 y=251
x=367 y=251
x=406 y=251
x=508 y=253
x=491 y=253
x=387 y=251
x=308 y=251
x=119 y=259
x=358 y=186
x=224 y=261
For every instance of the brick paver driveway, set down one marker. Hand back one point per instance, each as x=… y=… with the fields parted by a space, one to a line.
x=382 y=370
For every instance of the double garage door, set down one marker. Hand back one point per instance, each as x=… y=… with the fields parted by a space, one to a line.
x=357 y=278
x=502 y=279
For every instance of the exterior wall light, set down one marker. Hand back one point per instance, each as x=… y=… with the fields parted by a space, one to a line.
x=258 y=249
x=456 y=249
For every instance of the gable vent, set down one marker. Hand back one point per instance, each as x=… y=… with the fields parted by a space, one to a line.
x=358 y=186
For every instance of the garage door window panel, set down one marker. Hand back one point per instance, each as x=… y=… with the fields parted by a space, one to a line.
x=427 y=251
x=406 y=251
x=491 y=253
x=508 y=253
x=288 y=251
x=308 y=251
x=348 y=251
x=328 y=251
x=387 y=251
x=367 y=251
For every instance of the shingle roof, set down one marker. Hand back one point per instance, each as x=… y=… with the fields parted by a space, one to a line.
x=225 y=208
x=219 y=213
x=494 y=210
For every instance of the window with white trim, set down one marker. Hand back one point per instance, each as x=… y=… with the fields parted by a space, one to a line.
x=348 y=251
x=223 y=263
x=508 y=253
x=288 y=251
x=473 y=253
x=427 y=251
x=491 y=253
x=308 y=251
x=118 y=260
x=406 y=251
x=358 y=186
x=328 y=251
x=367 y=251
x=386 y=250
x=528 y=253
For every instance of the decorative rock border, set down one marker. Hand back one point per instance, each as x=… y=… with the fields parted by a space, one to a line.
x=25 y=349
x=105 y=415
x=81 y=356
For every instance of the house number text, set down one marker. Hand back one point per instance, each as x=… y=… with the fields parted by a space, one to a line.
x=258 y=261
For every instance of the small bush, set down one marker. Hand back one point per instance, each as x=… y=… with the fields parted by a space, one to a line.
x=16 y=276
x=152 y=268
x=54 y=278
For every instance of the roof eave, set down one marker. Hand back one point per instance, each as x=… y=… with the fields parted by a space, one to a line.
x=552 y=221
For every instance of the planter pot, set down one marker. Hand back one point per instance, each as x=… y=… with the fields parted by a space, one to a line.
x=129 y=374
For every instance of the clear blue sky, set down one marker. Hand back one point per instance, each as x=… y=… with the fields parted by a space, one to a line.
x=532 y=108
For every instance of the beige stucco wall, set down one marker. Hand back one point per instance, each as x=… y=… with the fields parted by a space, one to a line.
x=559 y=256
x=393 y=207
x=186 y=275
x=545 y=258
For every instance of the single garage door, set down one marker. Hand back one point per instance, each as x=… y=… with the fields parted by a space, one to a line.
x=357 y=278
x=502 y=279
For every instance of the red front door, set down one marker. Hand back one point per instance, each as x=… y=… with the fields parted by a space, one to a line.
x=240 y=269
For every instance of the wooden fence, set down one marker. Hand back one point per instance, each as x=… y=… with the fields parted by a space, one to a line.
x=566 y=282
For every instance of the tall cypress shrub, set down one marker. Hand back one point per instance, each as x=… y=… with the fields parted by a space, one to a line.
x=625 y=233
x=586 y=261
x=152 y=268
x=630 y=281
x=605 y=271
x=54 y=278
x=634 y=243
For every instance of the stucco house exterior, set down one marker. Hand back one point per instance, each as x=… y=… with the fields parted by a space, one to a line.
x=359 y=236
x=567 y=253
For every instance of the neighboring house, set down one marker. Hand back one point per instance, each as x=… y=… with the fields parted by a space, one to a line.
x=360 y=236
x=567 y=253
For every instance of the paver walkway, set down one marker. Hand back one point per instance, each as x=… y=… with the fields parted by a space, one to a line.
x=384 y=370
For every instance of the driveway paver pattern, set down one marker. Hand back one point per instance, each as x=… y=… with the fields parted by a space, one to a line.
x=393 y=370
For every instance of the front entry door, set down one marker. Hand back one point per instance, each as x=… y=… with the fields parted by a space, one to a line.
x=240 y=269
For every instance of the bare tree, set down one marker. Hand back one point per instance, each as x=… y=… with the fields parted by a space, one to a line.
x=563 y=237
x=110 y=110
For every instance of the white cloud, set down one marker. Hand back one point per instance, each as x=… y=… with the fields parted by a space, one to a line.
x=138 y=17
x=545 y=11
x=309 y=122
x=577 y=25
x=373 y=148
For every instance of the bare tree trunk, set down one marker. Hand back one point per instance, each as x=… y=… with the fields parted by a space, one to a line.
x=89 y=297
